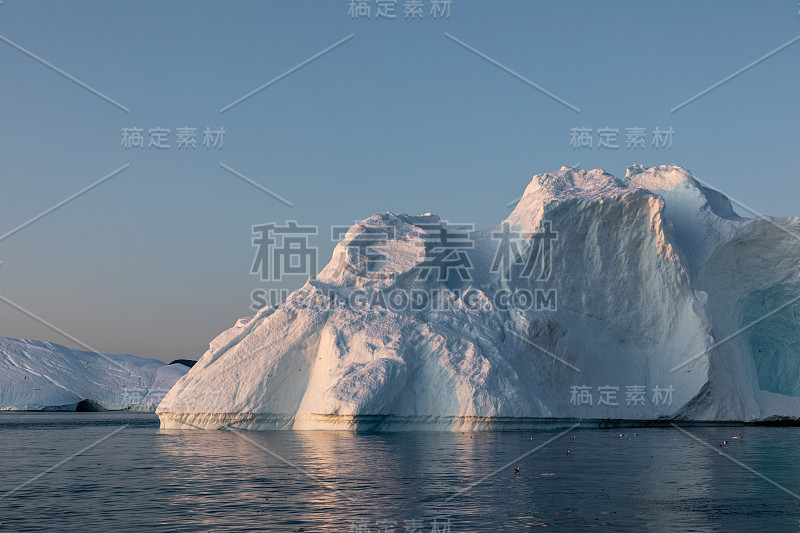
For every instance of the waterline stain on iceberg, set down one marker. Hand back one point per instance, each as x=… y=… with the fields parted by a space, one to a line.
x=647 y=284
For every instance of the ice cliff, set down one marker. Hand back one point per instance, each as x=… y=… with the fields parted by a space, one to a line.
x=641 y=298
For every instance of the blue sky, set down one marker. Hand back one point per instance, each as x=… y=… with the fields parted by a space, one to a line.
x=155 y=261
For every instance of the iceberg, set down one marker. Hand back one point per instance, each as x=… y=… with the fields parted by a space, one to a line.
x=643 y=298
x=36 y=376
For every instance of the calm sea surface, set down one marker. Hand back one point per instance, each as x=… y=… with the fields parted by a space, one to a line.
x=145 y=479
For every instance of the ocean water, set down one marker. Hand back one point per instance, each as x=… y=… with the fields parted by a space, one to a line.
x=136 y=477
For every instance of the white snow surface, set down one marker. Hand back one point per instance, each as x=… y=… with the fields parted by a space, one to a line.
x=660 y=286
x=37 y=375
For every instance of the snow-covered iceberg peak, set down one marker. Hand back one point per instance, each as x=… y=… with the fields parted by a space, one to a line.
x=379 y=249
x=660 y=178
x=597 y=298
x=571 y=183
x=552 y=188
x=702 y=218
x=677 y=184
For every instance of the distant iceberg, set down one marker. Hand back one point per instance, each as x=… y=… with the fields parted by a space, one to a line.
x=598 y=298
x=37 y=376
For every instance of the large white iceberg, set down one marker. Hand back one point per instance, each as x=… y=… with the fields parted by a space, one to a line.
x=642 y=298
x=37 y=375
